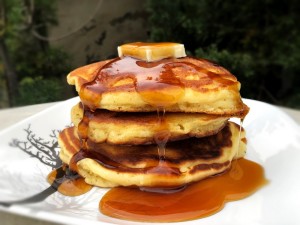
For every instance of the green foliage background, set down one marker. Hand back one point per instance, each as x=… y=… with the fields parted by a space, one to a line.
x=41 y=69
x=258 y=41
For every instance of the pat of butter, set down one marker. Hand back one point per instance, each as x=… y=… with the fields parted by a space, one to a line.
x=152 y=51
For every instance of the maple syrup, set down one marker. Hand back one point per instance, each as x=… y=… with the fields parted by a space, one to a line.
x=155 y=82
x=67 y=182
x=197 y=200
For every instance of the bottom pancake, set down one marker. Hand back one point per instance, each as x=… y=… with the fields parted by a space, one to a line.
x=184 y=161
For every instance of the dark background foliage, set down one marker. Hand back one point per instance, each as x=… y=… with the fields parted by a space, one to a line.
x=258 y=41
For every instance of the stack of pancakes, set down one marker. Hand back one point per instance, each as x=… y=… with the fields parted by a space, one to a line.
x=153 y=124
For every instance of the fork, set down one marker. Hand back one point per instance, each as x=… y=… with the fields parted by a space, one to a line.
x=33 y=199
x=41 y=195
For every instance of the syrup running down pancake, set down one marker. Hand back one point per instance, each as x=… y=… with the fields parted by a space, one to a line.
x=184 y=161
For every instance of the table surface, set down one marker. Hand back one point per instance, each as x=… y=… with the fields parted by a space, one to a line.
x=13 y=115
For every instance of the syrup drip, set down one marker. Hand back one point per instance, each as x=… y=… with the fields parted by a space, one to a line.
x=83 y=126
x=161 y=138
x=240 y=132
x=235 y=171
x=198 y=200
x=83 y=129
x=67 y=182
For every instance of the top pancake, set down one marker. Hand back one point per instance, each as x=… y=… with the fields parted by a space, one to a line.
x=174 y=84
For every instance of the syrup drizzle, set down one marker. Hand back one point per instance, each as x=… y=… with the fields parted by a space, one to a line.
x=234 y=172
x=155 y=82
x=83 y=126
x=161 y=139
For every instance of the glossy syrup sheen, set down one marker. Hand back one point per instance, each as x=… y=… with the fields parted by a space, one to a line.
x=155 y=82
x=197 y=200
x=122 y=157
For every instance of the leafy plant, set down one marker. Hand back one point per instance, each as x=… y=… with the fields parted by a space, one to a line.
x=39 y=90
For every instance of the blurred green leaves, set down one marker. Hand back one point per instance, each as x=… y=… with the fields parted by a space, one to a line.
x=38 y=66
x=39 y=90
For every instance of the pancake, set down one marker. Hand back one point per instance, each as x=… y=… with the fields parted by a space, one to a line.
x=175 y=84
x=143 y=128
x=184 y=161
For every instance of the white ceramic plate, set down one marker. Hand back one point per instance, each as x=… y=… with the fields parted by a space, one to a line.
x=273 y=141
